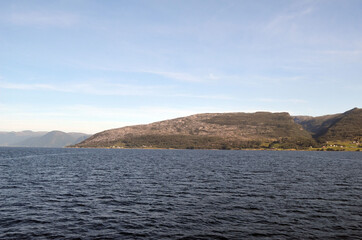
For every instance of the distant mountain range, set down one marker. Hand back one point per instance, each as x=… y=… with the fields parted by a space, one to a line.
x=40 y=139
x=235 y=131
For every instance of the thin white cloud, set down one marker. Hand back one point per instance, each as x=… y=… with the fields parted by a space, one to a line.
x=109 y=89
x=260 y=80
x=344 y=53
x=103 y=88
x=184 y=77
x=275 y=100
x=278 y=79
x=178 y=76
x=57 y=19
x=21 y=86
x=217 y=97
x=90 y=88
x=286 y=21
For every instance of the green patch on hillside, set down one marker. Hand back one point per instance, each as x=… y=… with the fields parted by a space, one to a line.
x=294 y=143
x=340 y=146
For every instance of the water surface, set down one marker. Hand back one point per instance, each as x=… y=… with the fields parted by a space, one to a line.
x=179 y=194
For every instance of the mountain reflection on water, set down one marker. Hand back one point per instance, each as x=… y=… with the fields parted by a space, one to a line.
x=179 y=194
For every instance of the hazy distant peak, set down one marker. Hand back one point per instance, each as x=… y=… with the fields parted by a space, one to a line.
x=40 y=139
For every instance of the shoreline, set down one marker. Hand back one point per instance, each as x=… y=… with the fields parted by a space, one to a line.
x=246 y=149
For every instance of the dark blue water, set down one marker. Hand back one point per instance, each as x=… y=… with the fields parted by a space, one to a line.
x=179 y=194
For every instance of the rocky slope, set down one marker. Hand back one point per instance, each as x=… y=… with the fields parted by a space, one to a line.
x=207 y=131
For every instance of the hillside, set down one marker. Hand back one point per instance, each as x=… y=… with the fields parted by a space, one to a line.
x=208 y=131
x=345 y=126
x=317 y=125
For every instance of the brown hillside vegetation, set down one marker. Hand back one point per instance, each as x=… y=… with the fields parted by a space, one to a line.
x=345 y=126
x=209 y=131
x=235 y=131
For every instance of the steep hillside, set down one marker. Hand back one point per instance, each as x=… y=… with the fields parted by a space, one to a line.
x=317 y=125
x=208 y=131
x=347 y=128
x=338 y=127
x=53 y=139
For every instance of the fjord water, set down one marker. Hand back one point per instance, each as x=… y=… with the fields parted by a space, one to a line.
x=179 y=194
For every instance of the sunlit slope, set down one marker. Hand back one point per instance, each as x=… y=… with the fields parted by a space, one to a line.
x=206 y=131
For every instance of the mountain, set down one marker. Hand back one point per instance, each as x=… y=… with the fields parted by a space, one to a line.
x=53 y=139
x=40 y=139
x=345 y=126
x=11 y=138
x=209 y=131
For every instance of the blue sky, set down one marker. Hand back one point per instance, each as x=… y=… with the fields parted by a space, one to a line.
x=89 y=66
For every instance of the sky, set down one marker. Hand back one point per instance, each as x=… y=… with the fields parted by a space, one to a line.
x=87 y=66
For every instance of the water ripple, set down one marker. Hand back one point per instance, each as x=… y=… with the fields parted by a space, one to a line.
x=163 y=194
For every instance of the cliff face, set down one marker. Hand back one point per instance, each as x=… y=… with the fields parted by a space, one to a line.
x=211 y=130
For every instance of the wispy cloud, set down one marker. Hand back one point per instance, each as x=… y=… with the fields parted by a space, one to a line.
x=290 y=79
x=184 y=77
x=286 y=21
x=43 y=18
x=108 y=89
x=261 y=80
x=275 y=100
x=104 y=88
x=345 y=53
x=216 y=97
x=172 y=75
x=22 y=86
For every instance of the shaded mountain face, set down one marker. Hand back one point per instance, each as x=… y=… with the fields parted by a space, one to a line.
x=345 y=126
x=44 y=139
x=207 y=131
x=317 y=125
x=11 y=138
